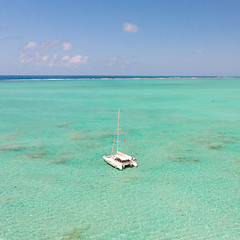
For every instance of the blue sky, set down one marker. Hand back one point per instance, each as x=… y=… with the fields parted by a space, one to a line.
x=113 y=37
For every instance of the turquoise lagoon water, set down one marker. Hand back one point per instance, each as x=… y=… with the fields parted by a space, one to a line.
x=185 y=134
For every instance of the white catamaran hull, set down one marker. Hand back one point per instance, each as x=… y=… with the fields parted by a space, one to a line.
x=113 y=162
x=120 y=165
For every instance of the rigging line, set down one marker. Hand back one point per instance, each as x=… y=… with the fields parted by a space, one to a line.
x=114 y=140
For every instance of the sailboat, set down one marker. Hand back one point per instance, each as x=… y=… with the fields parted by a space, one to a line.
x=119 y=160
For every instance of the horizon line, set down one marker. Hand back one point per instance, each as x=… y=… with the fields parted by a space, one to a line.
x=118 y=75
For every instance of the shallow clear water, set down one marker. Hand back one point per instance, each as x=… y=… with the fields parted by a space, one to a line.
x=185 y=134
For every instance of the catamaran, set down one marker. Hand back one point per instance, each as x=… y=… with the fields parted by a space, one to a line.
x=119 y=160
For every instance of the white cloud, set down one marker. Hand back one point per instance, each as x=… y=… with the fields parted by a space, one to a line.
x=65 y=58
x=36 y=59
x=45 y=58
x=30 y=45
x=70 y=61
x=66 y=46
x=120 y=61
x=78 y=59
x=23 y=58
x=46 y=46
x=54 y=61
x=128 y=27
x=49 y=44
x=39 y=54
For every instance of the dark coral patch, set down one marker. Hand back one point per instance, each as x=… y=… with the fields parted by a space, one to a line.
x=181 y=159
x=76 y=233
x=215 y=147
x=37 y=154
x=65 y=124
x=13 y=148
x=60 y=161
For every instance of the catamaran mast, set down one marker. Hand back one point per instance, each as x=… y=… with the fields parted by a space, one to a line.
x=118 y=128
